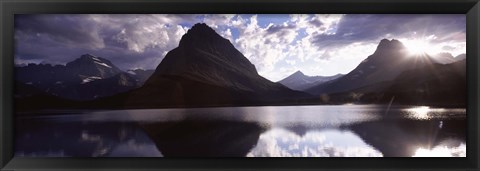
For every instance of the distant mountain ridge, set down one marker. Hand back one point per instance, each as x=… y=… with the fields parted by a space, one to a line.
x=299 y=81
x=447 y=58
x=85 y=78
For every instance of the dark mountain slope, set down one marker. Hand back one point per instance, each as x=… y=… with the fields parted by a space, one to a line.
x=437 y=84
x=388 y=61
x=432 y=84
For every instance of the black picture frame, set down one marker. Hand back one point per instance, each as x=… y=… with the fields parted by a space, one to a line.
x=10 y=7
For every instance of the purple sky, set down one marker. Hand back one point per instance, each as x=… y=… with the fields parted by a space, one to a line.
x=277 y=44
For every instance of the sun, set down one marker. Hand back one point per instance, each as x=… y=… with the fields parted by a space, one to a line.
x=417 y=47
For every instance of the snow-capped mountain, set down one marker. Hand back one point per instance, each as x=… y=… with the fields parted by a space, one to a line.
x=91 y=66
x=82 y=70
x=85 y=78
x=300 y=81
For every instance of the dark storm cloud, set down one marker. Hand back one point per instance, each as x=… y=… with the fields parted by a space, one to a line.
x=53 y=38
x=65 y=29
x=129 y=41
x=368 y=28
x=126 y=59
x=42 y=48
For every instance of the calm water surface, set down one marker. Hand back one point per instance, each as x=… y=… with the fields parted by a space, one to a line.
x=267 y=131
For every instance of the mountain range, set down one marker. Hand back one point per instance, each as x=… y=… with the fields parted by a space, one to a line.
x=301 y=82
x=447 y=58
x=85 y=78
x=207 y=70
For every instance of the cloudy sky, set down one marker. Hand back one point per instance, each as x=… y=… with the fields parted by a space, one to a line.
x=277 y=44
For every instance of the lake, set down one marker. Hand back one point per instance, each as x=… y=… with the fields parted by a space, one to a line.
x=265 y=131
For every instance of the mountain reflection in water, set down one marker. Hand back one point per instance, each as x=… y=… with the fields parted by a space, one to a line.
x=286 y=131
x=403 y=138
x=39 y=138
x=204 y=139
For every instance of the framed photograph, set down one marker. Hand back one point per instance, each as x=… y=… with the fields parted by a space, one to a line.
x=250 y=85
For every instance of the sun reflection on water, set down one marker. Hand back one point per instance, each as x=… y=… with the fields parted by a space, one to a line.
x=419 y=112
x=442 y=151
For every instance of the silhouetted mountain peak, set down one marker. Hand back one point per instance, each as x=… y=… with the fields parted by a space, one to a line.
x=205 y=56
x=201 y=34
x=201 y=27
x=390 y=42
x=386 y=45
x=206 y=59
x=389 y=60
